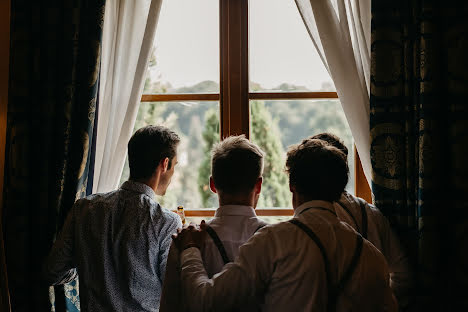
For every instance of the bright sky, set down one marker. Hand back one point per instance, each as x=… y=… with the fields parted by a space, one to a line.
x=187 y=44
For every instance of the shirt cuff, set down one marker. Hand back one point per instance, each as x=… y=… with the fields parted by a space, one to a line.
x=192 y=253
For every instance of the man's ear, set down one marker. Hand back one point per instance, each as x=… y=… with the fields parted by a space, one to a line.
x=258 y=185
x=292 y=188
x=164 y=164
x=212 y=185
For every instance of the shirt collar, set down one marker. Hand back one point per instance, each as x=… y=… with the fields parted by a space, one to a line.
x=138 y=187
x=235 y=210
x=314 y=203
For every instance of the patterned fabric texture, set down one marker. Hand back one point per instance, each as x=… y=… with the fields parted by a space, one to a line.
x=419 y=140
x=54 y=75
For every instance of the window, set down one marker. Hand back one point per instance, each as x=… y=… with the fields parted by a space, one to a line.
x=223 y=67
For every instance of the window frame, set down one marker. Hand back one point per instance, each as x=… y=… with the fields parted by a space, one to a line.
x=234 y=95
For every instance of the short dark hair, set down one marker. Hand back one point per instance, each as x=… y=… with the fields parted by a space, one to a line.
x=147 y=147
x=236 y=165
x=332 y=140
x=317 y=170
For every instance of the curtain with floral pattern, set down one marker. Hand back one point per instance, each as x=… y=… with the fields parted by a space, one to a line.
x=419 y=140
x=54 y=78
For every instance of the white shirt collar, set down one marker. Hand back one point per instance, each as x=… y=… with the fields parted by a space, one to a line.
x=235 y=210
x=314 y=203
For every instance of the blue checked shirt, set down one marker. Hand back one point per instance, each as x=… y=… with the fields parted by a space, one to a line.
x=118 y=243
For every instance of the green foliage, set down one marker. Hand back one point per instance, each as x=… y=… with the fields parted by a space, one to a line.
x=202 y=87
x=266 y=134
x=210 y=137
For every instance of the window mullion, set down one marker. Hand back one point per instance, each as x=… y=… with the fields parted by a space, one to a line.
x=234 y=76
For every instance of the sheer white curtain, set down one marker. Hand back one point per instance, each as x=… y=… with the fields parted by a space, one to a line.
x=128 y=34
x=341 y=31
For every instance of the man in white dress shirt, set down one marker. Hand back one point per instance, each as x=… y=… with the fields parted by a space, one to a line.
x=236 y=177
x=373 y=226
x=314 y=262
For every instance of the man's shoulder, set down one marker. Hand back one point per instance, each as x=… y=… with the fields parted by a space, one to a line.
x=372 y=253
x=279 y=228
x=352 y=200
x=94 y=200
x=253 y=223
x=168 y=216
x=98 y=197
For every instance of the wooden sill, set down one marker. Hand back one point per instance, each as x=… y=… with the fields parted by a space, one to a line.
x=262 y=212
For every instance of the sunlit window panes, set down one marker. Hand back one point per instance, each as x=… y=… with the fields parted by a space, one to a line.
x=267 y=219
x=185 y=57
x=197 y=124
x=282 y=56
x=277 y=124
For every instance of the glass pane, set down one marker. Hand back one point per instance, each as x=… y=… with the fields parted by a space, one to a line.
x=267 y=219
x=275 y=219
x=280 y=123
x=282 y=56
x=197 y=124
x=185 y=57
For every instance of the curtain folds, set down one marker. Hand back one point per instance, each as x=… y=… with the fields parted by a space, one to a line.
x=53 y=85
x=129 y=29
x=419 y=118
x=341 y=35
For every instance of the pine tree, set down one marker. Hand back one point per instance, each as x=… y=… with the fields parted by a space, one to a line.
x=266 y=134
x=210 y=137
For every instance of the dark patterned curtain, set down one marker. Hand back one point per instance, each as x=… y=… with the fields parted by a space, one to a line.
x=54 y=75
x=419 y=134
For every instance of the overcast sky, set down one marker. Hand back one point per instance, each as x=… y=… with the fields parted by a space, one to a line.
x=187 y=44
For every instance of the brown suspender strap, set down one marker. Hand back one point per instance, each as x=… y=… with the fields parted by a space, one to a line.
x=218 y=243
x=326 y=262
x=259 y=228
x=352 y=265
x=333 y=292
x=362 y=204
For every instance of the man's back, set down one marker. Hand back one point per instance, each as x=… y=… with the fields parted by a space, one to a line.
x=234 y=225
x=372 y=224
x=284 y=268
x=119 y=242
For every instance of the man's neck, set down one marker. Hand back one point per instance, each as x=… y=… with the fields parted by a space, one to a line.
x=298 y=200
x=151 y=182
x=232 y=200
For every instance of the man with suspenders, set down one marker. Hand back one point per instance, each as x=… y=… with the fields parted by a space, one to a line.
x=314 y=262
x=236 y=177
x=366 y=219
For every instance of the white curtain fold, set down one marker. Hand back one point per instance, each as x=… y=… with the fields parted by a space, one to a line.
x=128 y=35
x=341 y=33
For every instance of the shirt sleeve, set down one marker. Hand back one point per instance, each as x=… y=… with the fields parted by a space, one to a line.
x=165 y=244
x=171 y=296
x=237 y=285
x=60 y=267
x=400 y=274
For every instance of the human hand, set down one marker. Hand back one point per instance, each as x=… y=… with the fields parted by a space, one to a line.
x=192 y=236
